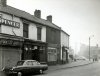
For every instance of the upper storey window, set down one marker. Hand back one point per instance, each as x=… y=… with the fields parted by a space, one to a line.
x=25 y=30
x=39 y=33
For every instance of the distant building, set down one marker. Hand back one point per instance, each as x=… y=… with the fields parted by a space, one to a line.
x=71 y=55
x=84 y=51
x=94 y=51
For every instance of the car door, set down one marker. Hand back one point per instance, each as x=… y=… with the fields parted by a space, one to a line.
x=35 y=66
x=28 y=67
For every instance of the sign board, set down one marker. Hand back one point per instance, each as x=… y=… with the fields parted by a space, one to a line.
x=9 y=23
x=9 y=42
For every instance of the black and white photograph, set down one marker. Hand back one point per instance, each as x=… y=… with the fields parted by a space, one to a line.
x=49 y=37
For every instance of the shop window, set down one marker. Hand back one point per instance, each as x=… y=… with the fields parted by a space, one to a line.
x=25 y=30
x=52 y=54
x=38 y=33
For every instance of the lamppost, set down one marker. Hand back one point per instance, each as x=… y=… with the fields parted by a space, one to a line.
x=89 y=45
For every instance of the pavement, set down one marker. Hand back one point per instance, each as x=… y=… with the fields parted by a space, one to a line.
x=68 y=65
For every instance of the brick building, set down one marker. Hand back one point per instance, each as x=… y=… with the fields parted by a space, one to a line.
x=54 y=44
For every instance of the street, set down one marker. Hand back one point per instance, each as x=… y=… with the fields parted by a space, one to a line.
x=87 y=70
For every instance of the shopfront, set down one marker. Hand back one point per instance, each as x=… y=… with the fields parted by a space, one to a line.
x=64 y=55
x=53 y=52
x=35 y=50
x=52 y=55
x=10 y=50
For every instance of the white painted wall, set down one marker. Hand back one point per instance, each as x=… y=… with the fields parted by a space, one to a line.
x=43 y=34
x=8 y=29
x=19 y=31
x=33 y=32
x=64 y=41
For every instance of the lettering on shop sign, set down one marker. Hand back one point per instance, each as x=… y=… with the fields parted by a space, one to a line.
x=9 y=23
x=9 y=42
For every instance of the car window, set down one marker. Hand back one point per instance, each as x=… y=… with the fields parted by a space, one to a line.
x=20 y=63
x=38 y=63
x=34 y=63
x=29 y=63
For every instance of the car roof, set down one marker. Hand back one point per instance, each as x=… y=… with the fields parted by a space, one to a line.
x=27 y=60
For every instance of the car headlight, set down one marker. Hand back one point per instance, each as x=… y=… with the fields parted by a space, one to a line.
x=12 y=69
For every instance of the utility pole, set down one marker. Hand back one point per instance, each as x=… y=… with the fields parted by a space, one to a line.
x=90 y=46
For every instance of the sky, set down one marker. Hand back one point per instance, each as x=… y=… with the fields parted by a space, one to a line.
x=79 y=18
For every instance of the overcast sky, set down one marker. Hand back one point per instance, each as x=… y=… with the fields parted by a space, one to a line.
x=79 y=18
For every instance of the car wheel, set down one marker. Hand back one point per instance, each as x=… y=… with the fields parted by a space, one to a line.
x=19 y=73
x=41 y=71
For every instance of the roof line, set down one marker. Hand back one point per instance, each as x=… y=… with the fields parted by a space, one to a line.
x=42 y=21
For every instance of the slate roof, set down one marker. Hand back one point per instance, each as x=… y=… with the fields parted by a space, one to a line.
x=23 y=14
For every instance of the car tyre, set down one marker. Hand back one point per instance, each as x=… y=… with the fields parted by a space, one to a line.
x=19 y=74
x=41 y=71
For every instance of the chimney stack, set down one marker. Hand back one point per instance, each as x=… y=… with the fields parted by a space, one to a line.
x=3 y=3
x=49 y=18
x=37 y=13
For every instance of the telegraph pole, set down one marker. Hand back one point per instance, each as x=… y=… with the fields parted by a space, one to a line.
x=90 y=46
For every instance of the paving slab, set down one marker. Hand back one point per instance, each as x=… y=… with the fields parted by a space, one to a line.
x=68 y=65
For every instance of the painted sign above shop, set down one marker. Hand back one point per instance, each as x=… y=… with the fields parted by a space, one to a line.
x=10 y=42
x=9 y=23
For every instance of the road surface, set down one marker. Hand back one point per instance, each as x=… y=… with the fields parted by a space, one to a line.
x=87 y=70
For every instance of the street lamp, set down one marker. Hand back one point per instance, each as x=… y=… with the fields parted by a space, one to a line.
x=89 y=45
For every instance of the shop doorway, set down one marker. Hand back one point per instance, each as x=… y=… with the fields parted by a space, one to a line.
x=36 y=55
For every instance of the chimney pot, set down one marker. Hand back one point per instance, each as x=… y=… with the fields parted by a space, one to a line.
x=49 y=18
x=3 y=3
x=37 y=13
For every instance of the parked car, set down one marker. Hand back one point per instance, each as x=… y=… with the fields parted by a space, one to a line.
x=81 y=58
x=26 y=67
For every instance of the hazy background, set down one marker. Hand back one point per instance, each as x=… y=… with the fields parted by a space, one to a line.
x=79 y=18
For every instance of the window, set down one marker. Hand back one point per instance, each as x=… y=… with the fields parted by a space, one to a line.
x=38 y=33
x=20 y=63
x=0 y=15
x=52 y=54
x=34 y=63
x=53 y=33
x=25 y=30
x=29 y=63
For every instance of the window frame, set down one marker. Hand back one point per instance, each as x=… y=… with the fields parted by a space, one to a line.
x=25 y=30
x=39 y=33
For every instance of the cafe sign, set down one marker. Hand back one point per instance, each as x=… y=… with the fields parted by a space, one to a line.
x=9 y=23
